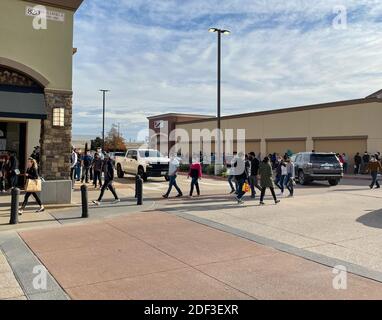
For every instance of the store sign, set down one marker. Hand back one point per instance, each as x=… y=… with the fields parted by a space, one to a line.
x=50 y=14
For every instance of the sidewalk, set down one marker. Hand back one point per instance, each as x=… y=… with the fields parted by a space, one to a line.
x=9 y=287
x=155 y=255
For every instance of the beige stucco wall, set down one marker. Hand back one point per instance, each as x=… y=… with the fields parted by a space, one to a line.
x=352 y=120
x=49 y=52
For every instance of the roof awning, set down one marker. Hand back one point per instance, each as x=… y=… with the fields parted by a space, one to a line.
x=26 y=103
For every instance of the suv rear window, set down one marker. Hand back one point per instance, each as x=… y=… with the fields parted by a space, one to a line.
x=324 y=158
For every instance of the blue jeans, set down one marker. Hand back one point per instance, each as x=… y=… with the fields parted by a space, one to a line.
x=230 y=178
x=195 y=182
x=289 y=184
x=374 y=179
x=239 y=190
x=283 y=180
x=172 y=183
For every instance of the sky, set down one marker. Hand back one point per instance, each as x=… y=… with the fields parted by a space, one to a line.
x=157 y=56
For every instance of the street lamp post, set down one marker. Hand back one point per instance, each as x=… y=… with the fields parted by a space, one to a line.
x=218 y=159
x=103 y=117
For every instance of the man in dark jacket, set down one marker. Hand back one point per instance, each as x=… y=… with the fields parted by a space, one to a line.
x=108 y=171
x=253 y=172
x=357 y=163
x=365 y=160
x=86 y=164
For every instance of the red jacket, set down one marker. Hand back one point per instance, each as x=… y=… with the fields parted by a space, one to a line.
x=195 y=170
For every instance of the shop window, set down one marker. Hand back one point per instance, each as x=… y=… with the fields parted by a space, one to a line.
x=58 y=117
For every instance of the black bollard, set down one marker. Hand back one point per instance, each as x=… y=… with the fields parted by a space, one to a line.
x=15 y=206
x=84 y=199
x=136 y=185
x=139 y=190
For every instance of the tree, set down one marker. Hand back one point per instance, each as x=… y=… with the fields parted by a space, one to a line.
x=114 y=141
x=96 y=143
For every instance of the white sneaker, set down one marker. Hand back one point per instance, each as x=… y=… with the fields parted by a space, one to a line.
x=116 y=201
x=96 y=202
x=41 y=209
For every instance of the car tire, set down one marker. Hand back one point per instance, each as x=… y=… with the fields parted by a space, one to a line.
x=302 y=178
x=333 y=182
x=143 y=175
x=120 y=172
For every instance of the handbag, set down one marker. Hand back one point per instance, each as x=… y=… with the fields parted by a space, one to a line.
x=245 y=188
x=33 y=185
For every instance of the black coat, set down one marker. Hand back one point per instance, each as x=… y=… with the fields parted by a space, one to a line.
x=32 y=173
x=108 y=170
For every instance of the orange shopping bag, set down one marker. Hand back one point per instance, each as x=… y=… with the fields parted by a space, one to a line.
x=245 y=188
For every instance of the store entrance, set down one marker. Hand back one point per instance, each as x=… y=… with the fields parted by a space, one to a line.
x=13 y=139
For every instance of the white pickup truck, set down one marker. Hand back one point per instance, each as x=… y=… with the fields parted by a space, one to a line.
x=144 y=162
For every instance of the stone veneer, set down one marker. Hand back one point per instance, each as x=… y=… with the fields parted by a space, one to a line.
x=56 y=142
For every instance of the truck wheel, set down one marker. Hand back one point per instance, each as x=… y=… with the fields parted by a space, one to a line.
x=333 y=182
x=143 y=175
x=120 y=172
x=302 y=179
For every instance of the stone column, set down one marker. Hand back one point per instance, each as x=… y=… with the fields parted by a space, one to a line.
x=56 y=142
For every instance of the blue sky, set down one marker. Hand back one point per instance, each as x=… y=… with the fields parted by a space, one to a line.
x=156 y=56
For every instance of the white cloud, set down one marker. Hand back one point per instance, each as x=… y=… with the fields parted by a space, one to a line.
x=157 y=56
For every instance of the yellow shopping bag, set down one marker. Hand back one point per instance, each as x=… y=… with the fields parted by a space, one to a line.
x=245 y=187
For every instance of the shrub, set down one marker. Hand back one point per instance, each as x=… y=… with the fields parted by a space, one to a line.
x=184 y=167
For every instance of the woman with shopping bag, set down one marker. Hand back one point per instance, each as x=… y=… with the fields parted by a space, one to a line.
x=32 y=185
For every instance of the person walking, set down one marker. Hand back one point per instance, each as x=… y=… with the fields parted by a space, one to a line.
x=97 y=170
x=195 y=173
x=253 y=172
x=365 y=160
x=278 y=174
x=73 y=164
x=345 y=159
x=108 y=171
x=283 y=175
x=357 y=163
x=374 y=167
x=172 y=173
x=231 y=173
x=241 y=166
x=266 y=180
x=289 y=181
x=31 y=173
x=86 y=165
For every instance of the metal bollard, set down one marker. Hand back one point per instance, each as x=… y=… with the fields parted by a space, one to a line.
x=139 y=190
x=15 y=206
x=136 y=184
x=84 y=199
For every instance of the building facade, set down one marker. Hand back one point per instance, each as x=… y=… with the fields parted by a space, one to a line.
x=343 y=127
x=36 y=56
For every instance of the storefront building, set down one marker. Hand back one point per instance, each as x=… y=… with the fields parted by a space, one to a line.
x=343 y=127
x=36 y=55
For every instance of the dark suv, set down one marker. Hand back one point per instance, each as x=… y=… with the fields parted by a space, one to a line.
x=311 y=166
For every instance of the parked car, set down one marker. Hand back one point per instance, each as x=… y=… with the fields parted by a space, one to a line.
x=144 y=162
x=311 y=166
